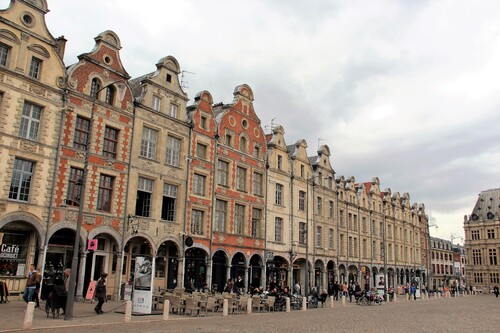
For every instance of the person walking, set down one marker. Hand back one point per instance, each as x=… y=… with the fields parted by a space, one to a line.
x=413 y=291
x=30 y=284
x=495 y=291
x=100 y=291
x=67 y=273
x=36 y=294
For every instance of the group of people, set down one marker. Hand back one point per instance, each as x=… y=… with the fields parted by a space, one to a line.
x=33 y=285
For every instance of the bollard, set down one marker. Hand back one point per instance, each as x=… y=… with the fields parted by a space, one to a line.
x=332 y=302
x=166 y=309
x=304 y=303
x=395 y=297
x=343 y=300
x=224 y=307
x=439 y=294
x=288 y=304
x=28 y=315
x=407 y=297
x=435 y=295
x=128 y=311
x=249 y=306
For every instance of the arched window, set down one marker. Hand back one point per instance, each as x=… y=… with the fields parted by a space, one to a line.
x=243 y=144
x=110 y=95
x=94 y=88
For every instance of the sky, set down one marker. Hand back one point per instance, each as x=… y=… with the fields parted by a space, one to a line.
x=407 y=91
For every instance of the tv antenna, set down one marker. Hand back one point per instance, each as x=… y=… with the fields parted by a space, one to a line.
x=184 y=84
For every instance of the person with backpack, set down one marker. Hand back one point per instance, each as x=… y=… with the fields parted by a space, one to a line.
x=100 y=293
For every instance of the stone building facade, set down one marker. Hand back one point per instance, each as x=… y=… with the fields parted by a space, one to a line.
x=198 y=188
x=482 y=244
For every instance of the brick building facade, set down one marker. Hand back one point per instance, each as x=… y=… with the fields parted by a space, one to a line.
x=200 y=189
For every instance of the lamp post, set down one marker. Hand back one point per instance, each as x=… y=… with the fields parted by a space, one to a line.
x=385 y=248
x=68 y=313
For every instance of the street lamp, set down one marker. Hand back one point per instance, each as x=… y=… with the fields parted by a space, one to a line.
x=68 y=313
x=459 y=262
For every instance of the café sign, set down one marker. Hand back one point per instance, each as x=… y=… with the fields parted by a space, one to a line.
x=9 y=251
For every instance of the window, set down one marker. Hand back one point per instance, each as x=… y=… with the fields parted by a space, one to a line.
x=243 y=144
x=364 y=248
x=319 y=178
x=278 y=229
x=280 y=162
x=82 y=132
x=21 y=180
x=95 y=87
x=173 y=151
x=491 y=233
x=302 y=200
x=201 y=150
x=330 y=238
x=239 y=219
x=493 y=256
x=197 y=222
x=169 y=78
x=364 y=224
x=341 y=245
x=494 y=278
x=475 y=235
x=278 y=199
x=319 y=236
x=302 y=171
x=220 y=215
x=330 y=210
x=148 y=143
x=35 y=68
x=168 y=204
x=355 y=222
x=105 y=193
x=355 y=247
x=30 y=121
x=341 y=218
x=173 y=110
x=256 y=218
x=110 y=142
x=229 y=140
x=257 y=183
x=222 y=172
x=4 y=54
x=241 y=176
x=156 y=103
x=203 y=122
x=144 y=193
x=330 y=182
x=256 y=151
x=319 y=205
x=74 y=187
x=110 y=95
x=199 y=184
x=302 y=233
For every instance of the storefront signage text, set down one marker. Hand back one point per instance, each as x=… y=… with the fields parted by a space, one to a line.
x=9 y=251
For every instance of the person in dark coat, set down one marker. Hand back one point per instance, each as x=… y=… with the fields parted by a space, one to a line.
x=100 y=292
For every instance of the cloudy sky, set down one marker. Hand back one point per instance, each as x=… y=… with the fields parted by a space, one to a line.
x=407 y=91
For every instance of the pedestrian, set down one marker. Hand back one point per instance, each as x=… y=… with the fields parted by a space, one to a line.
x=495 y=291
x=336 y=290
x=67 y=273
x=36 y=295
x=413 y=291
x=100 y=291
x=30 y=284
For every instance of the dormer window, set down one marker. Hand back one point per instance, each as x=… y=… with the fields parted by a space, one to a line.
x=280 y=162
x=95 y=87
x=229 y=140
x=156 y=103
x=169 y=78
x=173 y=110
x=35 y=68
x=243 y=144
x=203 y=122
x=110 y=95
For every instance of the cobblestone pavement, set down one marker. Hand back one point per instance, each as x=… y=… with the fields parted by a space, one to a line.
x=478 y=313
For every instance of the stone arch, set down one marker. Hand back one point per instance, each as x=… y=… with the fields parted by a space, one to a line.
x=106 y=230
x=170 y=63
x=111 y=38
x=67 y=225
x=151 y=243
x=170 y=239
x=39 y=49
x=31 y=219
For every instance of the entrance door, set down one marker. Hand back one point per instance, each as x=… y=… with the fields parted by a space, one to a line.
x=99 y=266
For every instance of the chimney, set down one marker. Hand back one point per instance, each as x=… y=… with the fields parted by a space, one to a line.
x=61 y=46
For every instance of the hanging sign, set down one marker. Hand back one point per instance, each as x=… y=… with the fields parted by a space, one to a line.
x=92 y=245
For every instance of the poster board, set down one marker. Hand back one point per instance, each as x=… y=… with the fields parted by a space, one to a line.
x=381 y=280
x=143 y=278
x=91 y=291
